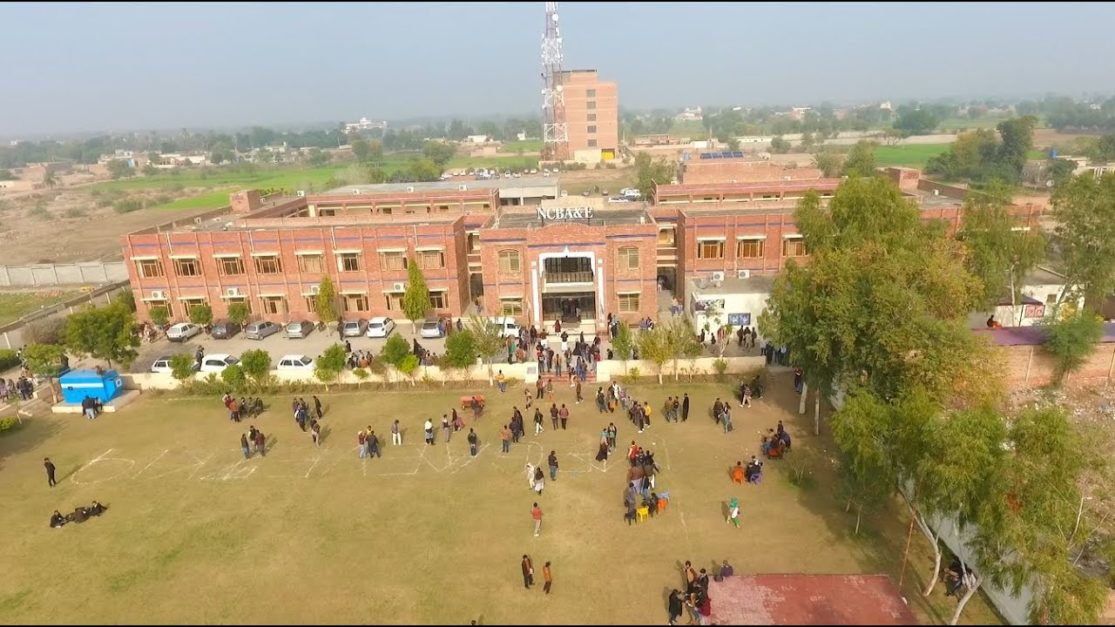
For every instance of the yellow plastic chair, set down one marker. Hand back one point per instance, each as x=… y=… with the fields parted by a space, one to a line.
x=642 y=513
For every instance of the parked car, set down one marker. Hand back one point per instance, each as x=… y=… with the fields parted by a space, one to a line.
x=353 y=328
x=295 y=362
x=182 y=331
x=224 y=329
x=260 y=330
x=431 y=328
x=380 y=327
x=162 y=365
x=217 y=362
x=506 y=326
x=298 y=329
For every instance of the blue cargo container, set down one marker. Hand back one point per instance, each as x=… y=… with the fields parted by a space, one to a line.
x=77 y=384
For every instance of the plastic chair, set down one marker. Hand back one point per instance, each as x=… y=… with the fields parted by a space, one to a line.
x=663 y=496
x=642 y=513
x=737 y=475
x=662 y=505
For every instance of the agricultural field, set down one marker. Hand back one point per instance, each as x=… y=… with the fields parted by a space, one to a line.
x=194 y=532
x=912 y=155
x=16 y=304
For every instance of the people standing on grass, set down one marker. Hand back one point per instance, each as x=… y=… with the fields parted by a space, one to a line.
x=361 y=442
x=372 y=442
x=538 y=421
x=613 y=433
x=505 y=438
x=244 y=445
x=685 y=408
x=315 y=432
x=554 y=415
x=675 y=606
x=536 y=515
x=428 y=427
x=552 y=461
x=563 y=413
x=49 y=465
x=547 y=578
x=527 y=397
x=473 y=439
x=396 y=434
x=528 y=571
x=445 y=426
x=458 y=422
x=550 y=391
x=317 y=408
x=501 y=381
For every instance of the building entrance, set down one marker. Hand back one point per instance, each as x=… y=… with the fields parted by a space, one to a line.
x=570 y=308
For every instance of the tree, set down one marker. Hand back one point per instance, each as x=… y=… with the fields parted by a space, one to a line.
x=861 y=160
x=330 y=364
x=408 y=366
x=873 y=259
x=149 y=169
x=416 y=298
x=622 y=343
x=997 y=254
x=779 y=145
x=487 y=338
x=394 y=350
x=423 y=170
x=44 y=360
x=257 y=365
x=106 y=333
x=650 y=173
x=654 y=345
x=439 y=153
x=1017 y=137
x=182 y=366
x=1071 y=340
x=201 y=315
x=233 y=376
x=160 y=315
x=238 y=313
x=49 y=178
x=119 y=168
x=915 y=121
x=361 y=149
x=460 y=350
x=830 y=163
x=326 y=300
x=682 y=342
x=1084 y=210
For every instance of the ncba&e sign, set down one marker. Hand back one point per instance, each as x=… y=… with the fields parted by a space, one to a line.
x=565 y=213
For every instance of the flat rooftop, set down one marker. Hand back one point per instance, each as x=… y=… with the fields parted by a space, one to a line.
x=605 y=217
x=756 y=284
x=454 y=185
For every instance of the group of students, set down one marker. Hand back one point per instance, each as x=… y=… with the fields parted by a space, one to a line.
x=243 y=408
x=696 y=598
x=79 y=515
x=776 y=442
x=253 y=440
x=752 y=473
x=641 y=482
x=22 y=388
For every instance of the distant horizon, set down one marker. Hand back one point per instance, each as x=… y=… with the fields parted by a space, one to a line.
x=135 y=74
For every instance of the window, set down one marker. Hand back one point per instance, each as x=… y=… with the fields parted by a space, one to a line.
x=311 y=304
x=473 y=242
x=187 y=267
x=269 y=264
x=710 y=249
x=590 y=93
x=431 y=259
x=348 y=262
x=592 y=128
x=793 y=247
x=438 y=299
x=274 y=304
x=591 y=105
x=511 y=306
x=241 y=301
x=190 y=303
x=355 y=302
x=629 y=258
x=393 y=261
x=509 y=262
x=311 y=263
x=592 y=117
x=148 y=268
x=394 y=301
x=629 y=303
x=230 y=266
x=666 y=237
x=750 y=248
x=592 y=143
x=152 y=305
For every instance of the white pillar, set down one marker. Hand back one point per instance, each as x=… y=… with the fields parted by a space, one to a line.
x=600 y=302
x=534 y=293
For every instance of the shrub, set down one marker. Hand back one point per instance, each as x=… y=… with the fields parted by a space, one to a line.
x=8 y=424
x=201 y=315
x=128 y=299
x=74 y=212
x=127 y=205
x=160 y=316
x=238 y=313
x=720 y=366
x=8 y=359
x=45 y=331
x=633 y=375
x=233 y=376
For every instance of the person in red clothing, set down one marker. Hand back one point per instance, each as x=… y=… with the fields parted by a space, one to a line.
x=536 y=514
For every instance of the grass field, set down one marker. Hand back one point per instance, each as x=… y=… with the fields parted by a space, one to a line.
x=195 y=533
x=15 y=305
x=914 y=155
x=529 y=145
x=984 y=121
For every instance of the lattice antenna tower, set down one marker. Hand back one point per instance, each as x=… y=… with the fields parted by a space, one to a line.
x=555 y=133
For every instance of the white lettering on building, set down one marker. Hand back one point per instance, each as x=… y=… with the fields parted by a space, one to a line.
x=565 y=213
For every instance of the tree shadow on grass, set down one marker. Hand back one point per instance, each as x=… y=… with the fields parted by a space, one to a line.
x=32 y=433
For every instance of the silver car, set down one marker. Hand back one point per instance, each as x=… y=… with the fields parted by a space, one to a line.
x=353 y=328
x=298 y=329
x=260 y=330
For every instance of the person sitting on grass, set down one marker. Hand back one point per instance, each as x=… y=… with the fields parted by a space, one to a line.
x=754 y=470
x=738 y=473
x=651 y=503
x=96 y=509
x=57 y=520
x=733 y=512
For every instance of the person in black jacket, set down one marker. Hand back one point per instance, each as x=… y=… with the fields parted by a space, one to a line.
x=685 y=408
x=675 y=606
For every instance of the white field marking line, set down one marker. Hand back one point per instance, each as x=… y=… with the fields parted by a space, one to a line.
x=102 y=457
x=161 y=455
x=312 y=466
x=667 y=449
x=471 y=458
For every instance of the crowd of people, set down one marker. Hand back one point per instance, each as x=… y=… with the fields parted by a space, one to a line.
x=238 y=409
x=22 y=388
x=79 y=515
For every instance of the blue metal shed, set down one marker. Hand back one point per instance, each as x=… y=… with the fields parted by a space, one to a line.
x=77 y=384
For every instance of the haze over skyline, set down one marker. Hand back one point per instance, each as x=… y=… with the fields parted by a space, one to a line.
x=75 y=67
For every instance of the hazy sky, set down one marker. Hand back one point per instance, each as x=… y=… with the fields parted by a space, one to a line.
x=72 y=67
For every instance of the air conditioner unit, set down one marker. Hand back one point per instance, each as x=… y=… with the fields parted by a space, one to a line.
x=462 y=187
x=743 y=274
x=399 y=287
x=356 y=192
x=301 y=193
x=314 y=289
x=716 y=276
x=232 y=291
x=410 y=188
x=158 y=295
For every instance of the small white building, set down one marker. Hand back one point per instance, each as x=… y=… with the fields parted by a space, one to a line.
x=713 y=302
x=1041 y=289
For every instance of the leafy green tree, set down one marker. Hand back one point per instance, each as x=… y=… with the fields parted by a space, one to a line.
x=106 y=333
x=238 y=313
x=149 y=170
x=440 y=153
x=460 y=349
x=182 y=366
x=861 y=160
x=160 y=315
x=1017 y=137
x=1084 y=211
x=650 y=172
x=326 y=300
x=44 y=360
x=779 y=145
x=682 y=342
x=201 y=315
x=394 y=350
x=655 y=346
x=361 y=149
x=623 y=343
x=374 y=175
x=830 y=163
x=423 y=170
x=361 y=376
x=487 y=339
x=329 y=365
x=915 y=121
x=119 y=168
x=233 y=376
x=256 y=363
x=408 y=366
x=997 y=254
x=1071 y=340
x=127 y=299
x=416 y=298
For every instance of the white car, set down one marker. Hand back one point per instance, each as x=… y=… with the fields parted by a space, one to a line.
x=380 y=327
x=182 y=331
x=295 y=362
x=217 y=362
x=505 y=326
x=430 y=329
x=162 y=365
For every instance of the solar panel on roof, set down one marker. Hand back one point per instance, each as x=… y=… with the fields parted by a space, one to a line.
x=738 y=153
x=704 y=155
